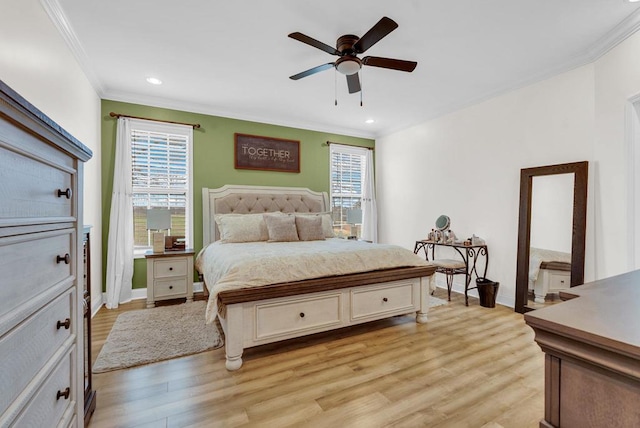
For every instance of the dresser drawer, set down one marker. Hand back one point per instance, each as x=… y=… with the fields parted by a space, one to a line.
x=304 y=314
x=46 y=409
x=27 y=348
x=167 y=288
x=368 y=302
x=173 y=267
x=30 y=266
x=29 y=187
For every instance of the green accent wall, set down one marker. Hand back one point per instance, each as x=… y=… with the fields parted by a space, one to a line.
x=213 y=160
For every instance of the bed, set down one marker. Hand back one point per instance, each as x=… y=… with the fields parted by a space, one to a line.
x=549 y=272
x=256 y=306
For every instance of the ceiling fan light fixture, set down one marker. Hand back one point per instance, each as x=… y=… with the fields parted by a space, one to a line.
x=348 y=65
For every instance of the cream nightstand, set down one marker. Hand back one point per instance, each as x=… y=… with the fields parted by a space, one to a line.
x=169 y=276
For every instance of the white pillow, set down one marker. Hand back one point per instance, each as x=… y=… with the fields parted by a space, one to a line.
x=327 y=222
x=241 y=227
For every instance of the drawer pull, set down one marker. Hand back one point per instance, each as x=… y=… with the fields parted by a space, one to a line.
x=64 y=393
x=171 y=287
x=66 y=193
x=301 y=314
x=66 y=324
x=66 y=259
x=170 y=268
x=384 y=299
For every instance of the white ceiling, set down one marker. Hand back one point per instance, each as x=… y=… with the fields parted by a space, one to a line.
x=233 y=58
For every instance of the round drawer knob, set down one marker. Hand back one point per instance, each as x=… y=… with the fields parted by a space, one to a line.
x=301 y=314
x=384 y=299
x=66 y=193
x=66 y=324
x=64 y=393
x=171 y=287
x=66 y=259
x=170 y=268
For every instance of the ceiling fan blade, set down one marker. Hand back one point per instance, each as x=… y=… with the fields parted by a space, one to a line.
x=315 y=43
x=353 y=83
x=311 y=71
x=375 y=34
x=394 y=64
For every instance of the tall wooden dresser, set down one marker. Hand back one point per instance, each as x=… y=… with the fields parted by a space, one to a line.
x=41 y=263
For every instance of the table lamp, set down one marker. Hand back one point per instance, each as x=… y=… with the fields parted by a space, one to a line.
x=354 y=216
x=158 y=219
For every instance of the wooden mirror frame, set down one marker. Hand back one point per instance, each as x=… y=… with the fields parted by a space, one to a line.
x=581 y=172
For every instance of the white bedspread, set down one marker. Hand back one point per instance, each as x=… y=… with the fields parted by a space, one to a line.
x=539 y=255
x=232 y=266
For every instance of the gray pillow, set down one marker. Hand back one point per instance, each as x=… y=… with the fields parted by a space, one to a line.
x=281 y=228
x=309 y=228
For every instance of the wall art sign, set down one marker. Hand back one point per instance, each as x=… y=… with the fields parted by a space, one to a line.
x=266 y=153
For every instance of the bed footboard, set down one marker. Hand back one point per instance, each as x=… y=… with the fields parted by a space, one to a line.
x=253 y=323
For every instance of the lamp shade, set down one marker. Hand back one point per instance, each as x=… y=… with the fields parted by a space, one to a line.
x=354 y=216
x=158 y=219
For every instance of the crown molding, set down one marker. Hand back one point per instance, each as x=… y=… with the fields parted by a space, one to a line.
x=615 y=36
x=172 y=104
x=60 y=21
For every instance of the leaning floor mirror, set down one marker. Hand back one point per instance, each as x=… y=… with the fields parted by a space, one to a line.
x=551 y=232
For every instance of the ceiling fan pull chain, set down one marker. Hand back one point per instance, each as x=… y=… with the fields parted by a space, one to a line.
x=335 y=85
x=361 y=90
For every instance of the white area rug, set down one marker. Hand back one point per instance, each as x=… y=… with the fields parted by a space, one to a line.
x=434 y=301
x=151 y=335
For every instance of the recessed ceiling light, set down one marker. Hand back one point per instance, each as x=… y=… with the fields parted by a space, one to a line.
x=632 y=1
x=154 y=80
x=369 y=121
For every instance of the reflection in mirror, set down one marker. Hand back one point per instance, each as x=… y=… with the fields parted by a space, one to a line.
x=550 y=246
x=540 y=227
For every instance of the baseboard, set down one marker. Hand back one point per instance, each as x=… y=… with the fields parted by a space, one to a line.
x=459 y=288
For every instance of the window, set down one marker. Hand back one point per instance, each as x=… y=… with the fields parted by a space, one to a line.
x=347 y=183
x=161 y=178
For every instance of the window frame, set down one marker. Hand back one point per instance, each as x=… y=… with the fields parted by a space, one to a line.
x=175 y=129
x=338 y=224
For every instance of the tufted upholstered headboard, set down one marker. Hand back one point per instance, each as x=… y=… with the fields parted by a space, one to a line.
x=242 y=199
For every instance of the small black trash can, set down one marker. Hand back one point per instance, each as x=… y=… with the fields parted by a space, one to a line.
x=487 y=290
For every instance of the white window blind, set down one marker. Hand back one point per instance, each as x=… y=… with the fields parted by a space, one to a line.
x=161 y=178
x=347 y=175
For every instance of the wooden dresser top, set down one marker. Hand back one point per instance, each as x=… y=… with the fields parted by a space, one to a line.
x=605 y=313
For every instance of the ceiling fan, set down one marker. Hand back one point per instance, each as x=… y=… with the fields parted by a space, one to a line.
x=347 y=48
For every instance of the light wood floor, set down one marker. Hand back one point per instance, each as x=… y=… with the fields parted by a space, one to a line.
x=467 y=367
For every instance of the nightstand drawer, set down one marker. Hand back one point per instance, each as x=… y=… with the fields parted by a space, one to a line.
x=170 y=287
x=168 y=268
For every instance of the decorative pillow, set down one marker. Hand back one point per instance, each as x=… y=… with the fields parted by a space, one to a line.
x=327 y=222
x=281 y=228
x=241 y=227
x=309 y=228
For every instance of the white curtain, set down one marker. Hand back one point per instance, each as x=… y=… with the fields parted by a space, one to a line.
x=120 y=242
x=369 y=209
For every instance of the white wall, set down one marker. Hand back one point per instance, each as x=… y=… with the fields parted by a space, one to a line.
x=36 y=63
x=467 y=165
x=617 y=80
